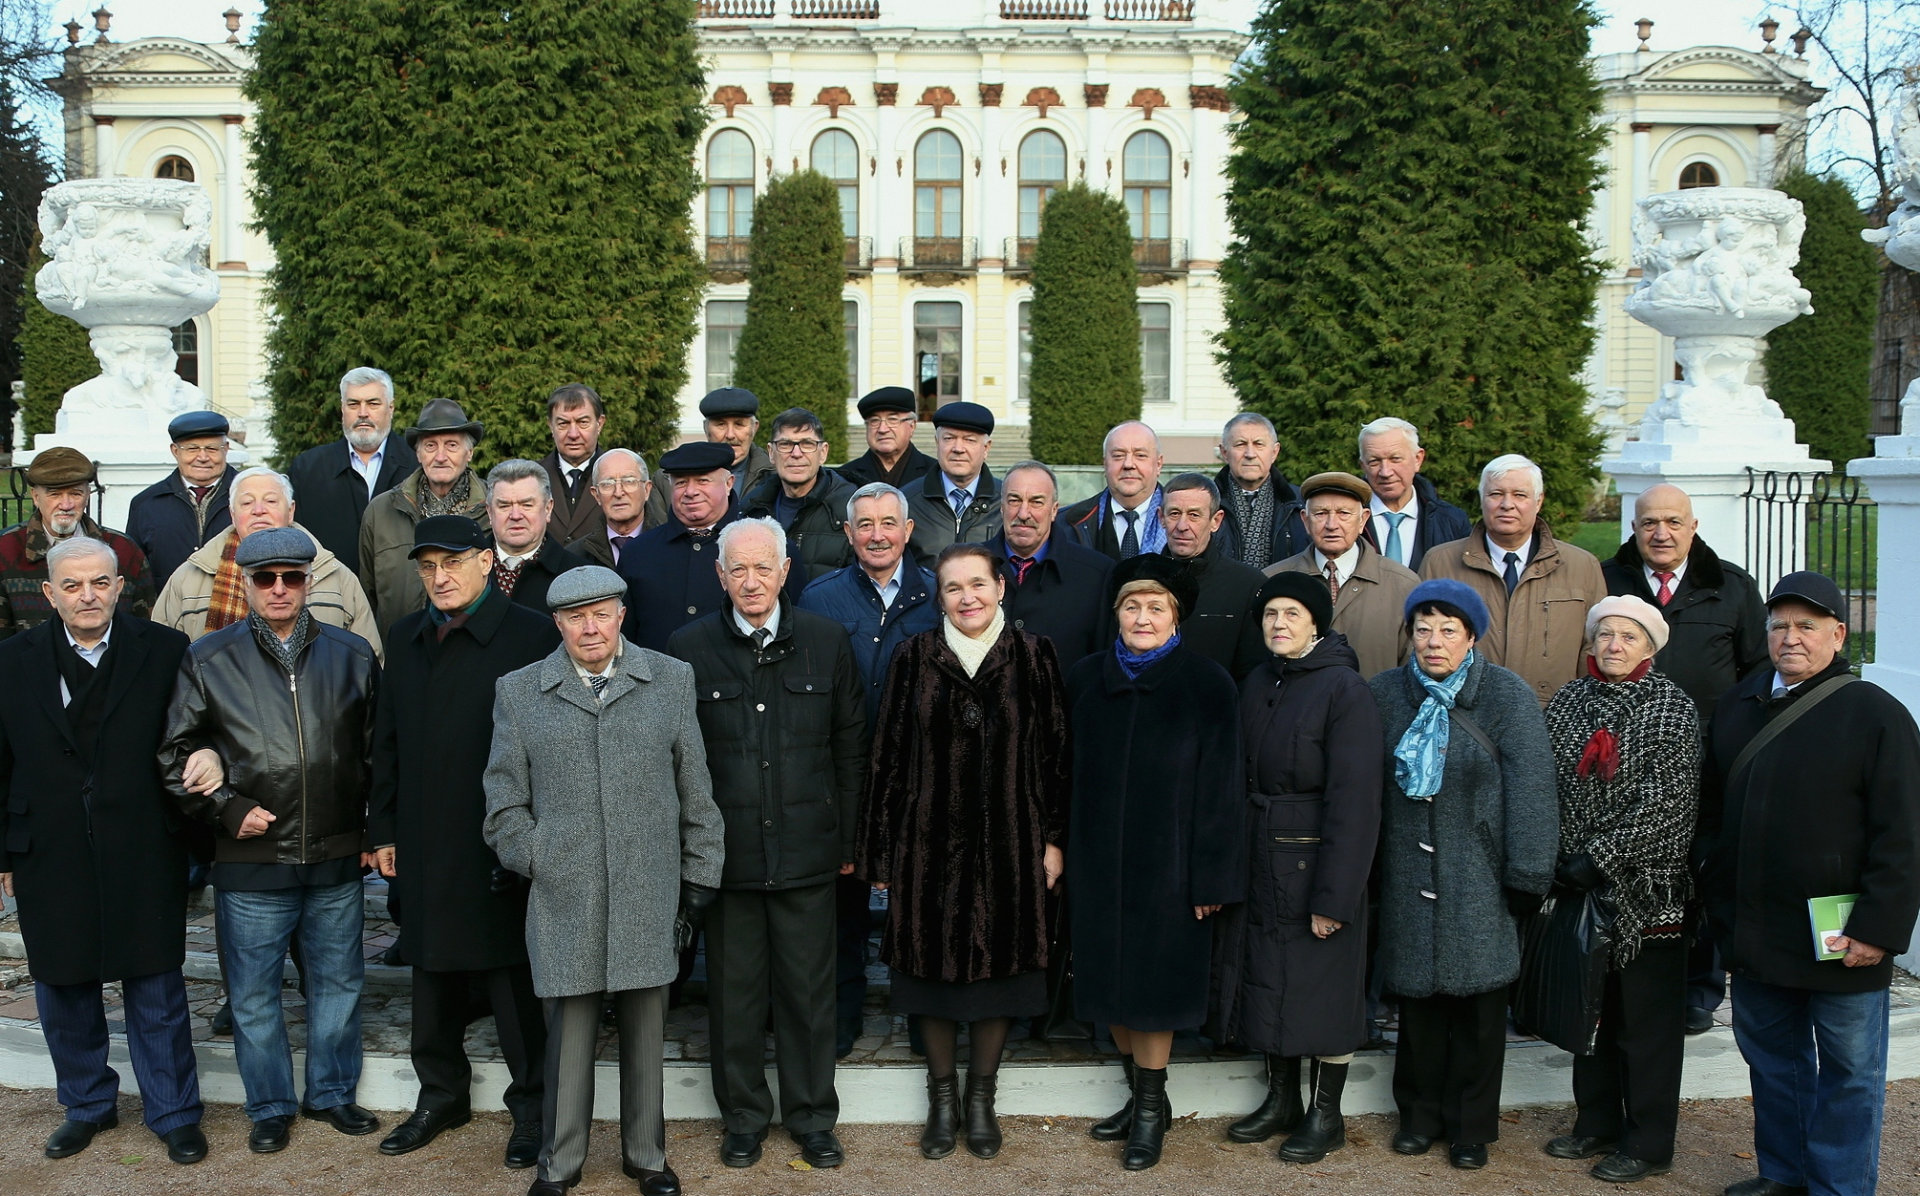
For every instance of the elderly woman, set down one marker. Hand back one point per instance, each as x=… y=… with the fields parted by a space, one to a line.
x=1294 y=980
x=1625 y=752
x=964 y=815
x=1469 y=830
x=1158 y=840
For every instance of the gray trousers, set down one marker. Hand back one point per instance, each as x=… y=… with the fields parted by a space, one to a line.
x=776 y=946
x=573 y=1031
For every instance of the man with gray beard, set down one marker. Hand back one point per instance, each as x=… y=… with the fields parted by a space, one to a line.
x=333 y=483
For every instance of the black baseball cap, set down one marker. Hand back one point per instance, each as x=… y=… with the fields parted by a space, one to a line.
x=1815 y=589
x=453 y=533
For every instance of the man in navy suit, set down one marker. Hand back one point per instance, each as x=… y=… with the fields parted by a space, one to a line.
x=334 y=482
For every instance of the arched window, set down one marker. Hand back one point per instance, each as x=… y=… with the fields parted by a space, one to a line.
x=936 y=200
x=1043 y=170
x=1698 y=174
x=729 y=196
x=186 y=353
x=836 y=156
x=1146 y=177
x=173 y=166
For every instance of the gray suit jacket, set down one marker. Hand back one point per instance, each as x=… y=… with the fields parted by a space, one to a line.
x=572 y=520
x=607 y=806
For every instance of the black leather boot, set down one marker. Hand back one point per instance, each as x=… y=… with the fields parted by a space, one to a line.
x=1114 y=1128
x=1151 y=1117
x=983 y=1126
x=943 y=1116
x=1323 y=1129
x=1280 y=1112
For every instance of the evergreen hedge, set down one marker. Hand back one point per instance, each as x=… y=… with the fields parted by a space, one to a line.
x=486 y=201
x=1408 y=192
x=24 y=175
x=55 y=354
x=1085 y=375
x=793 y=349
x=1820 y=367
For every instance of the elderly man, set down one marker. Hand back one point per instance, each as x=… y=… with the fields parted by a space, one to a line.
x=804 y=496
x=209 y=591
x=1811 y=791
x=1123 y=520
x=466 y=918
x=1537 y=589
x=1408 y=516
x=526 y=558
x=59 y=480
x=955 y=502
x=187 y=508
x=575 y=417
x=87 y=847
x=620 y=487
x=729 y=416
x=1222 y=626
x=1056 y=588
x=288 y=704
x=1369 y=591
x=336 y=481
x=783 y=711
x=1263 y=516
x=891 y=455
x=443 y=443
x=598 y=791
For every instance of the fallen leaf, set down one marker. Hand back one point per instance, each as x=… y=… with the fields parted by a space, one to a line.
x=1510 y=1118
x=131 y=1159
x=1743 y=1154
x=799 y=1164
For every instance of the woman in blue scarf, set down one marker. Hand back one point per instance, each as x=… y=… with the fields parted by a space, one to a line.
x=1469 y=836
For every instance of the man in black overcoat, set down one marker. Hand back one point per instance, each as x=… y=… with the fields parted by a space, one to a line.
x=466 y=916
x=1056 y=587
x=890 y=414
x=526 y=556
x=177 y=515
x=334 y=482
x=1224 y=627
x=89 y=847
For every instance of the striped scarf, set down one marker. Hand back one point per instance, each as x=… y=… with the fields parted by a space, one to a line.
x=228 y=602
x=1254 y=512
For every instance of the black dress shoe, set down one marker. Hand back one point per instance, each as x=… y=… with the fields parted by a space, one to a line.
x=820 y=1149
x=348 y=1119
x=222 y=1024
x=75 y=1136
x=1760 y=1185
x=1580 y=1146
x=185 y=1143
x=1699 y=1020
x=423 y=1127
x=552 y=1187
x=741 y=1150
x=269 y=1134
x=1408 y=1142
x=1619 y=1168
x=1467 y=1157
x=653 y=1183
x=523 y=1145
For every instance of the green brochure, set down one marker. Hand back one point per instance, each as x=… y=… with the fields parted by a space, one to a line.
x=1829 y=916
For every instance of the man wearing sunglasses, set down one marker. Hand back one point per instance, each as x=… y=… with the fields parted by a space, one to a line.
x=288 y=703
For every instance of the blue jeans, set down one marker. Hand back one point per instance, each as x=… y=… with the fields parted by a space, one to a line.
x=255 y=928
x=1818 y=1067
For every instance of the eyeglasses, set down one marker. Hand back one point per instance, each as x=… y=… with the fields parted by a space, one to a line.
x=293 y=579
x=429 y=568
x=609 y=485
x=795 y=448
x=893 y=419
x=204 y=450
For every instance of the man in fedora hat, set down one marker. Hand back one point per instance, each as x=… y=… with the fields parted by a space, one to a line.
x=443 y=443
x=176 y=516
x=60 y=480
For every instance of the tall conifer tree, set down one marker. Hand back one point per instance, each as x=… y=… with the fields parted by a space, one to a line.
x=1085 y=376
x=24 y=175
x=1819 y=367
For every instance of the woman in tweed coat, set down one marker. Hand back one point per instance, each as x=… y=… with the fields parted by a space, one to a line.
x=1626 y=754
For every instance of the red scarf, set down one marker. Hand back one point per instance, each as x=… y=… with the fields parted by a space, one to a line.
x=1602 y=754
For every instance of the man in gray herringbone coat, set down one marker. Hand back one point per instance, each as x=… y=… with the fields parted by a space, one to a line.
x=598 y=791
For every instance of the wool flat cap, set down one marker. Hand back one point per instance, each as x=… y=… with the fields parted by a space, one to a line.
x=1337 y=483
x=588 y=583
x=700 y=456
x=968 y=417
x=1171 y=575
x=443 y=415
x=275 y=546
x=1815 y=589
x=59 y=467
x=887 y=398
x=730 y=400
x=1628 y=607
x=452 y=533
x=195 y=424
x=1453 y=595
x=1308 y=589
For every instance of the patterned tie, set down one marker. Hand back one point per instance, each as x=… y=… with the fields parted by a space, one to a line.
x=1666 y=586
x=506 y=577
x=1130 y=543
x=619 y=546
x=599 y=687
x=1512 y=574
x=760 y=638
x=1333 y=580
x=958 y=498
x=1395 y=551
x=1020 y=566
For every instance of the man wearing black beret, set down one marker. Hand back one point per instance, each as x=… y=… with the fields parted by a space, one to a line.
x=729 y=416
x=181 y=512
x=957 y=502
x=891 y=456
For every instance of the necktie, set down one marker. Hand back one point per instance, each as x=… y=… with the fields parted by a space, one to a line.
x=958 y=498
x=1333 y=580
x=1130 y=543
x=619 y=546
x=1394 y=550
x=1513 y=571
x=1780 y=691
x=506 y=577
x=599 y=687
x=1666 y=586
x=573 y=484
x=1020 y=566
x=760 y=638
x=199 y=494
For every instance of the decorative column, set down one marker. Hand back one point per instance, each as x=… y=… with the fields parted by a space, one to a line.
x=1642 y=159
x=105 y=148
x=232 y=200
x=1769 y=147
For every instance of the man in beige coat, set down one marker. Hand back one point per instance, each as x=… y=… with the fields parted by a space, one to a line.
x=1537 y=589
x=1369 y=591
x=260 y=499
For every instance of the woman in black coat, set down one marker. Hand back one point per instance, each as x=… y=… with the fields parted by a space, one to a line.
x=1295 y=974
x=964 y=815
x=1158 y=843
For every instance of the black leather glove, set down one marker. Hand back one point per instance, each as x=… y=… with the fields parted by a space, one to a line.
x=504 y=880
x=1579 y=873
x=1524 y=905
x=694 y=900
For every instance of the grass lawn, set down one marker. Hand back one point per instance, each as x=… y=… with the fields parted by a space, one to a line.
x=1601 y=539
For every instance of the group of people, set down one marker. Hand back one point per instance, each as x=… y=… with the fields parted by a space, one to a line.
x=1258 y=758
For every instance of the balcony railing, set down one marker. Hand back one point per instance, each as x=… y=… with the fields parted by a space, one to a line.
x=837 y=10
x=1149 y=10
x=1010 y=10
x=1019 y=253
x=727 y=253
x=739 y=9
x=1160 y=255
x=858 y=254
x=1043 y=10
x=938 y=253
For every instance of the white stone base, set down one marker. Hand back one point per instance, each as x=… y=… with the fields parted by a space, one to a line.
x=130 y=446
x=1712 y=469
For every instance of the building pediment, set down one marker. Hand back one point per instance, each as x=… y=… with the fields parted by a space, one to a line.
x=161 y=56
x=1719 y=64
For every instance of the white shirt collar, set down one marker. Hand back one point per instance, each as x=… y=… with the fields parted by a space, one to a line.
x=1499 y=554
x=890 y=588
x=1653 y=583
x=747 y=629
x=1411 y=510
x=953 y=485
x=1343 y=565
x=90 y=655
x=1780 y=682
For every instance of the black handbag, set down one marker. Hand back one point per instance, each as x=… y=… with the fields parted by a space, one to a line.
x=1566 y=951
x=1058 y=1023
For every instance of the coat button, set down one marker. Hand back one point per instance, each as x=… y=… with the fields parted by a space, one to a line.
x=696 y=548
x=1301 y=866
x=809 y=689
x=764 y=764
x=716 y=693
x=876 y=639
x=1429 y=894
x=1020 y=624
x=760 y=706
x=692 y=610
x=769 y=822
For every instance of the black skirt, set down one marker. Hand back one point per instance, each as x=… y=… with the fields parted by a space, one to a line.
x=1022 y=995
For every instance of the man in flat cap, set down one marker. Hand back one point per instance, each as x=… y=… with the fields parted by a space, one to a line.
x=575 y=417
x=466 y=917
x=621 y=487
x=804 y=496
x=335 y=482
x=60 y=480
x=1123 y=520
x=182 y=511
x=956 y=502
x=1056 y=587
x=598 y=792
x=1224 y=627
x=891 y=455
x=526 y=557
x=1369 y=592
x=443 y=443
x=288 y=703
x=729 y=416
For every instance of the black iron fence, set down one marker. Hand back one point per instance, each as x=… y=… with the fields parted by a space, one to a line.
x=1826 y=522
